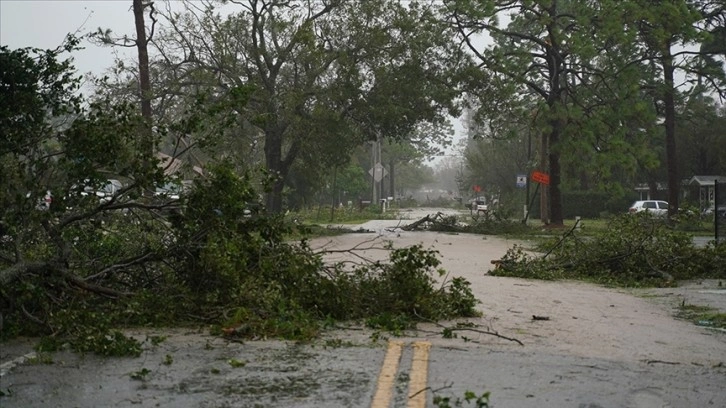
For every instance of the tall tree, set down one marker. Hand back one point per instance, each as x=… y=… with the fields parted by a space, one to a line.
x=303 y=62
x=701 y=126
x=534 y=56
x=668 y=32
x=144 y=89
x=588 y=67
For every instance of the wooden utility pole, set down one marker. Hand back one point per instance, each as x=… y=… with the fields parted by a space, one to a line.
x=544 y=190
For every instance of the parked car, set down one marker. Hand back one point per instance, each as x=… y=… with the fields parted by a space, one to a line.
x=720 y=211
x=654 y=207
x=172 y=190
x=104 y=192
x=478 y=205
x=110 y=189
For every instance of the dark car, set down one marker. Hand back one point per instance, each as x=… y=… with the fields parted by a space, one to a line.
x=720 y=211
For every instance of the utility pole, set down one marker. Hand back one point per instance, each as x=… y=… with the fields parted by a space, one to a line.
x=374 y=191
x=544 y=193
x=380 y=168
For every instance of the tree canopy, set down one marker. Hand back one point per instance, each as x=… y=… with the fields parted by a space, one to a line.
x=582 y=75
x=311 y=79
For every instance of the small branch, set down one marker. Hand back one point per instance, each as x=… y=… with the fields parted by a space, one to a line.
x=137 y=260
x=661 y=362
x=495 y=334
x=33 y=318
x=101 y=290
x=352 y=251
x=433 y=391
x=562 y=239
x=491 y=333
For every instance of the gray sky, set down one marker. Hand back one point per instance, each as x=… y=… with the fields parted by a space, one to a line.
x=44 y=24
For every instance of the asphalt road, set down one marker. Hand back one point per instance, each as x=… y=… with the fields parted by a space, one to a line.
x=210 y=372
x=601 y=348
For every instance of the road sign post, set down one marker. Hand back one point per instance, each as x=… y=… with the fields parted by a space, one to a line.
x=539 y=178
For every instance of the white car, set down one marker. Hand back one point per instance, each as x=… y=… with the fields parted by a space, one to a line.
x=104 y=192
x=170 y=190
x=479 y=205
x=654 y=207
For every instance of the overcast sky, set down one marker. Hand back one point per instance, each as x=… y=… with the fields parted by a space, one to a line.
x=44 y=24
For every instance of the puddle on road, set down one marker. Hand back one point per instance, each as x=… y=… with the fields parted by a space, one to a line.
x=202 y=371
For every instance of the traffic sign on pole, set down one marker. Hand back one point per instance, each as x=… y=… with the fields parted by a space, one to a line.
x=542 y=178
x=521 y=180
x=378 y=172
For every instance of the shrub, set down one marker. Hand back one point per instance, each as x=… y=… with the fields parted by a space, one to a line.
x=635 y=250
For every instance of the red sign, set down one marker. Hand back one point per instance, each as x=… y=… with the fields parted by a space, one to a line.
x=542 y=178
x=476 y=188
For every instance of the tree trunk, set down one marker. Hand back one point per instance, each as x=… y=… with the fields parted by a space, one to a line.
x=273 y=162
x=556 y=216
x=555 y=195
x=147 y=144
x=670 y=131
x=274 y=197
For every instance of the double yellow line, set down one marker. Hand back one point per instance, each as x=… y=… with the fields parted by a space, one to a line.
x=417 y=377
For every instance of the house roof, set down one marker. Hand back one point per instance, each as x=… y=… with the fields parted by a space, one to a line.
x=706 y=180
x=170 y=164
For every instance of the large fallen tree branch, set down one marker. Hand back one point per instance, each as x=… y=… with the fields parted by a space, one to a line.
x=423 y=221
x=18 y=269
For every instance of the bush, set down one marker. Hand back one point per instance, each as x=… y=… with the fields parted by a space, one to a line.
x=635 y=250
x=688 y=219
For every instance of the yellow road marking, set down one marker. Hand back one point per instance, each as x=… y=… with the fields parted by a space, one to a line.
x=419 y=375
x=382 y=398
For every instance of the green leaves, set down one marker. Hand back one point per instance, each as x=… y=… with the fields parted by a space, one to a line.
x=35 y=85
x=636 y=250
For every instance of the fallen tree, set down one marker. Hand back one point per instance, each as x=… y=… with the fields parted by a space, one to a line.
x=635 y=250
x=77 y=270
x=426 y=222
x=492 y=225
